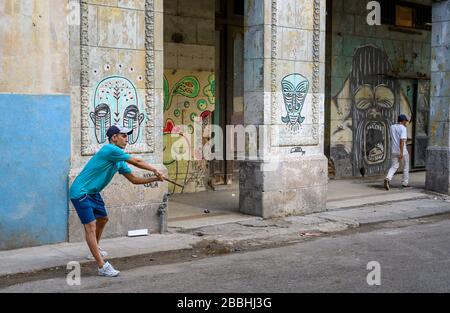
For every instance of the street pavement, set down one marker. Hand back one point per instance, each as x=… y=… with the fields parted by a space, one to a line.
x=255 y=232
x=361 y=204
x=411 y=258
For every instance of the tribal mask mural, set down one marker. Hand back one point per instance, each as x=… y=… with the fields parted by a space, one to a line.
x=295 y=88
x=116 y=102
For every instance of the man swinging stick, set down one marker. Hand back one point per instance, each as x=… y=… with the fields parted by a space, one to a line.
x=96 y=175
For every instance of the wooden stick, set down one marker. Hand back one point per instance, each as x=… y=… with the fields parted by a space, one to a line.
x=172 y=182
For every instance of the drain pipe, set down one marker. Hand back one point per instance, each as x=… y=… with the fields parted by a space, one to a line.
x=162 y=212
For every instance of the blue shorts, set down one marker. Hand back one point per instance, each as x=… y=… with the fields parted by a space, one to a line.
x=89 y=208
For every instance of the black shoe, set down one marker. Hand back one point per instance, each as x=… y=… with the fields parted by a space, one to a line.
x=406 y=186
x=386 y=184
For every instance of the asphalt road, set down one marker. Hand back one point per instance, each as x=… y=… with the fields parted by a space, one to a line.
x=411 y=259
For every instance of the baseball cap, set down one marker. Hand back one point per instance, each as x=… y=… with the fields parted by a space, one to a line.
x=402 y=118
x=113 y=130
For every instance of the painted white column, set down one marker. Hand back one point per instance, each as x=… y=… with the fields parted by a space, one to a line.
x=284 y=99
x=117 y=78
x=438 y=152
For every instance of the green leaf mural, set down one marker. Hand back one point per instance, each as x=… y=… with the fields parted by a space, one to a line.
x=166 y=94
x=188 y=86
x=210 y=90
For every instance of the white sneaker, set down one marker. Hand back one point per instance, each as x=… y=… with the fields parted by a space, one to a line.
x=108 y=271
x=103 y=253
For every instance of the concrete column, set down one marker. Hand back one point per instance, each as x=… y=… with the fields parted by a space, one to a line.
x=438 y=152
x=284 y=99
x=117 y=78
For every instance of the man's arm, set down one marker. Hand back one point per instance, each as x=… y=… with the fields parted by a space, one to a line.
x=402 y=145
x=141 y=180
x=403 y=138
x=139 y=163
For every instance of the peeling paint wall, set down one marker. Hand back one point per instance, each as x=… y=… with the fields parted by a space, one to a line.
x=35 y=164
x=363 y=97
x=34 y=47
x=35 y=106
x=438 y=155
x=117 y=55
x=189 y=61
x=114 y=71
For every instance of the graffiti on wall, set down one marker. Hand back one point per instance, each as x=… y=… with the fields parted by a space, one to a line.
x=116 y=102
x=210 y=89
x=422 y=124
x=151 y=185
x=364 y=110
x=188 y=87
x=188 y=96
x=295 y=88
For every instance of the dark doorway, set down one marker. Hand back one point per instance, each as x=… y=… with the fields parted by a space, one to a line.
x=229 y=81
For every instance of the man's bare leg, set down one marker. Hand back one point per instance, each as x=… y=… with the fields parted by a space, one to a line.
x=91 y=240
x=100 y=226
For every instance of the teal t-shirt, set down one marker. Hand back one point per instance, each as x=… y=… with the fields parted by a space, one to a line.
x=99 y=171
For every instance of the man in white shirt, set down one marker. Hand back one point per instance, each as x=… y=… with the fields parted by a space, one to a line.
x=399 y=135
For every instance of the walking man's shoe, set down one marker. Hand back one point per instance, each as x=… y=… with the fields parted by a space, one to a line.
x=386 y=184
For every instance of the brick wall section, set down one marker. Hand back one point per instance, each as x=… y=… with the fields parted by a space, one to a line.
x=194 y=21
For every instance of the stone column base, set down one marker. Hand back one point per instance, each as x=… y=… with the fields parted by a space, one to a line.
x=129 y=207
x=437 y=178
x=283 y=188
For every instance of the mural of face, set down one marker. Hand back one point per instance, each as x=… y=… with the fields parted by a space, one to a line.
x=295 y=88
x=374 y=106
x=133 y=120
x=101 y=118
x=370 y=103
x=115 y=101
x=362 y=113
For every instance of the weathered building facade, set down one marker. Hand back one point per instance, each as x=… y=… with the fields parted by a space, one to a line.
x=374 y=74
x=319 y=86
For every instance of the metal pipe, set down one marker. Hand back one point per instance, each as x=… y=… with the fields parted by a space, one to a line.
x=162 y=212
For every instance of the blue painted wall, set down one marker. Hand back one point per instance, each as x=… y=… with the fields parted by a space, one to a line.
x=34 y=169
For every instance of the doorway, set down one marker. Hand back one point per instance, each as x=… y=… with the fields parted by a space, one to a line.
x=230 y=84
x=195 y=204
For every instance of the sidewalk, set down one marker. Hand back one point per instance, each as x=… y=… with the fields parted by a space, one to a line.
x=187 y=210
x=344 y=214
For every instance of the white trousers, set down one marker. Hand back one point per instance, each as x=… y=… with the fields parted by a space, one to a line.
x=395 y=164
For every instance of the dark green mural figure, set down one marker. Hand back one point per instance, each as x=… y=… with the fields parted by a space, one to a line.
x=188 y=87
x=210 y=90
x=295 y=88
